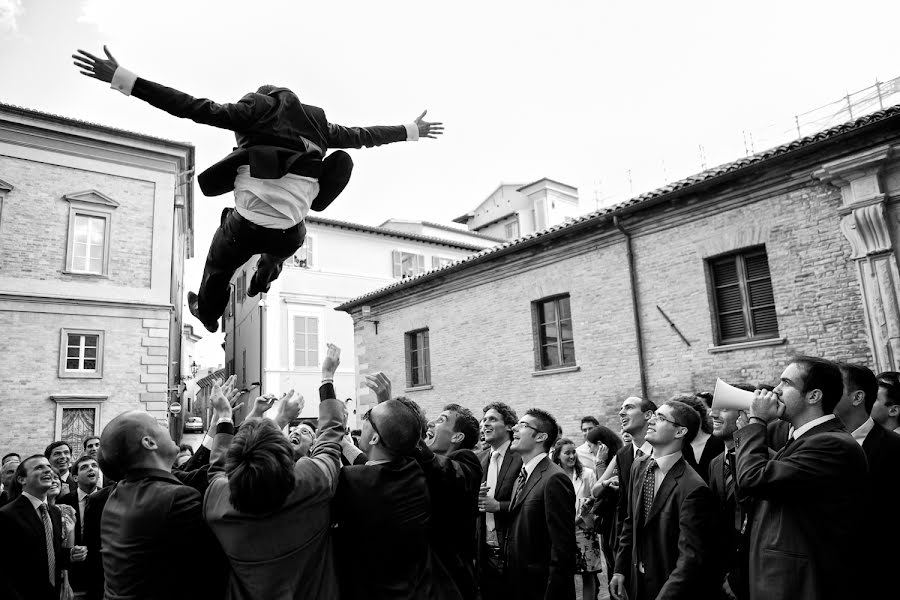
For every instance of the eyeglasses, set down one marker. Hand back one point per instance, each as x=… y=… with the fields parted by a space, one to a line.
x=368 y=417
x=528 y=425
x=659 y=417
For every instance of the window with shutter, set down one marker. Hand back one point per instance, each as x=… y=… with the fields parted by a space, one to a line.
x=743 y=297
x=553 y=336
x=418 y=359
x=407 y=264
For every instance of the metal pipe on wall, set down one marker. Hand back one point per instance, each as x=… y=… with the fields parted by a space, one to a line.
x=635 y=304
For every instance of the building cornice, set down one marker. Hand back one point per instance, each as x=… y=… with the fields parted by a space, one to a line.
x=68 y=300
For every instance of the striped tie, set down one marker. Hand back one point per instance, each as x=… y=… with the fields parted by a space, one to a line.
x=649 y=487
x=48 y=538
x=520 y=483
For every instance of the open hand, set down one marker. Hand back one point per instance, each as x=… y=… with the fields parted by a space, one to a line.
x=261 y=405
x=97 y=68
x=222 y=398
x=289 y=409
x=381 y=385
x=426 y=128
x=331 y=362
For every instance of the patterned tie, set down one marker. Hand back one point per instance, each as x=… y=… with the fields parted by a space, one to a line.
x=48 y=537
x=520 y=483
x=728 y=469
x=648 y=487
x=492 y=475
x=639 y=453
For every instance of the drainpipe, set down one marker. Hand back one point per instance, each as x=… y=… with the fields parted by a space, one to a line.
x=632 y=274
x=262 y=347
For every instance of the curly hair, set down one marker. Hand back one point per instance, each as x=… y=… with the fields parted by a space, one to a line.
x=260 y=468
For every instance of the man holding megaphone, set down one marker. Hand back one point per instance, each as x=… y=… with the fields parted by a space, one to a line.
x=806 y=517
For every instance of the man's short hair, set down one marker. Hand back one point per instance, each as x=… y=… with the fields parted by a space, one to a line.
x=54 y=445
x=9 y=456
x=465 y=423
x=510 y=418
x=81 y=459
x=861 y=378
x=706 y=397
x=890 y=381
x=689 y=418
x=823 y=375
x=546 y=424
x=186 y=448
x=589 y=419
x=700 y=406
x=120 y=443
x=260 y=468
x=747 y=387
x=15 y=490
x=648 y=405
x=87 y=439
x=405 y=424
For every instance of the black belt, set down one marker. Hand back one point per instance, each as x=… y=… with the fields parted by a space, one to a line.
x=493 y=550
x=254 y=227
x=307 y=168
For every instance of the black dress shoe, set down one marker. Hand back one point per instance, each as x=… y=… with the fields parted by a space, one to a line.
x=194 y=307
x=254 y=288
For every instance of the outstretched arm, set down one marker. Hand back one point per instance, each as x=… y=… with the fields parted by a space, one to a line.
x=339 y=136
x=235 y=117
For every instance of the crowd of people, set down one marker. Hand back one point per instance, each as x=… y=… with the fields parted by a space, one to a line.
x=788 y=499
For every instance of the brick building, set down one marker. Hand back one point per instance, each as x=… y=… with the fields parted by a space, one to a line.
x=724 y=274
x=95 y=225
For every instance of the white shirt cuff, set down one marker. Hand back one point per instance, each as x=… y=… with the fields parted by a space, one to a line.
x=123 y=80
x=412 y=132
x=207 y=442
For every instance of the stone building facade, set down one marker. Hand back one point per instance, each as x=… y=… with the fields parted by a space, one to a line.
x=95 y=225
x=724 y=274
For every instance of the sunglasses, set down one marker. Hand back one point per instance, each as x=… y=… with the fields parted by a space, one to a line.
x=367 y=416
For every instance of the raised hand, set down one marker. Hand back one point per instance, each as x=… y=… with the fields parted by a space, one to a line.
x=381 y=385
x=289 y=409
x=261 y=405
x=331 y=362
x=428 y=129
x=222 y=398
x=98 y=68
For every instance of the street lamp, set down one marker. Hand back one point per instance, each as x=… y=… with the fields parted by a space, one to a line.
x=194 y=368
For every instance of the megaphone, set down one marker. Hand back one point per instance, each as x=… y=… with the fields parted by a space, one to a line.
x=728 y=397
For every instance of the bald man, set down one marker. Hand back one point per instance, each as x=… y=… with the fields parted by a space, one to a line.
x=151 y=514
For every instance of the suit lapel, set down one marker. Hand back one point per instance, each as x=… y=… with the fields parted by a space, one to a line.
x=504 y=467
x=666 y=489
x=532 y=481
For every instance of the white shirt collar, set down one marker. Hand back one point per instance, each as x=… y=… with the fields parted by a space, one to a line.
x=860 y=433
x=501 y=451
x=647 y=449
x=897 y=430
x=815 y=422
x=531 y=464
x=665 y=463
x=36 y=502
x=82 y=494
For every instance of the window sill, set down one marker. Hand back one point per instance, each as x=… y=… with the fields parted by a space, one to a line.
x=418 y=388
x=83 y=274
x=76 y=375
x=571 y=369
x=745 y=345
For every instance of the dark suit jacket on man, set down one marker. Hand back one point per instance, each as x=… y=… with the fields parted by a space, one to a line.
x=713 y=447
x=731 y=544
x=882 y=448
x=93 y=513
x=540 y=543
x=806 y=523
x=453 y=483
x=673 y=542
x=624 y=462
x=23 y=552
x=506 y=483
x=77 y=571
x=381 y=541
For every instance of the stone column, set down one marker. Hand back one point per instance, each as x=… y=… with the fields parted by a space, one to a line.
x=865 y=225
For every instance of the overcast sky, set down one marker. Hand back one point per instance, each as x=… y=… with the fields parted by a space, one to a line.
x=579 y=91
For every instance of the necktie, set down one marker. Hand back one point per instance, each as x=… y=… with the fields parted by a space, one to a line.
x=48 y=538
x=648 y=487
x=639 y=453
x=492 y=475
x=728 y=469
x=520 y=483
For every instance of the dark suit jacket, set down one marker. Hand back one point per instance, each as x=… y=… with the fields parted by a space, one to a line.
x=148 y=516
x=382 y=514
x=277 y=124
x=882 y=449
x=23 y=553
x=731 y=545
x=806 y=521
x=77 y=571
x=93 y=512
x=540 y=544
x=453 y=484
x=674 y=541
x=506 y=483
x=624 y=461
x=713 y=447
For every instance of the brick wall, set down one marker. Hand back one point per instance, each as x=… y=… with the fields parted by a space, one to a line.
x=481 y=335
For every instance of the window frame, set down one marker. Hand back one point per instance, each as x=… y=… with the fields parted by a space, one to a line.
x=508 y=225
x=436 y=261
x=538 y=335
x=293 y=313
x=397 y=263
x=64 y=401
x=425 y=351
x=89 y=204
x=64 y=372
x=309 y=250
x=743 y=282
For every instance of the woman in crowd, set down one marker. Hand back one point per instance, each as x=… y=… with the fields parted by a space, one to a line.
x=588 y=558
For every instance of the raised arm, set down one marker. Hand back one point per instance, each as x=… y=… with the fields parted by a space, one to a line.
x=326 y=451
x=339 y=136
x=237 y=116
x=221 y=398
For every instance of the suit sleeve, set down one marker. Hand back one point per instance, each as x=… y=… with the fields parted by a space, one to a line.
x=339 y=136
x=810 y=465
x=185 y=523
x=199 y=459
x=623 y=554
x=224 y=435
x=696 y=526
x=8 y=555
x=236 y=117
x=448 y=474
x=326 y=451
x=559 y=506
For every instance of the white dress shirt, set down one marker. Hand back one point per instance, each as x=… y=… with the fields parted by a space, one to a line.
x=493 y=473
x=815 y=422
x=663 y=465
x=860 y=433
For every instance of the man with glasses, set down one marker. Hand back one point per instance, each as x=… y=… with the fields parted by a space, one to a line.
x=540 y=543
x=806 y=521
x=665 y=544
x=382 y=511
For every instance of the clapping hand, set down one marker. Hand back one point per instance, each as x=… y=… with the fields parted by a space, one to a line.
x=381 y=385
x=98 y=68
x=428 y=129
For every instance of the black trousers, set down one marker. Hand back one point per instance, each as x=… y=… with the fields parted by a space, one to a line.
x=234 y=242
